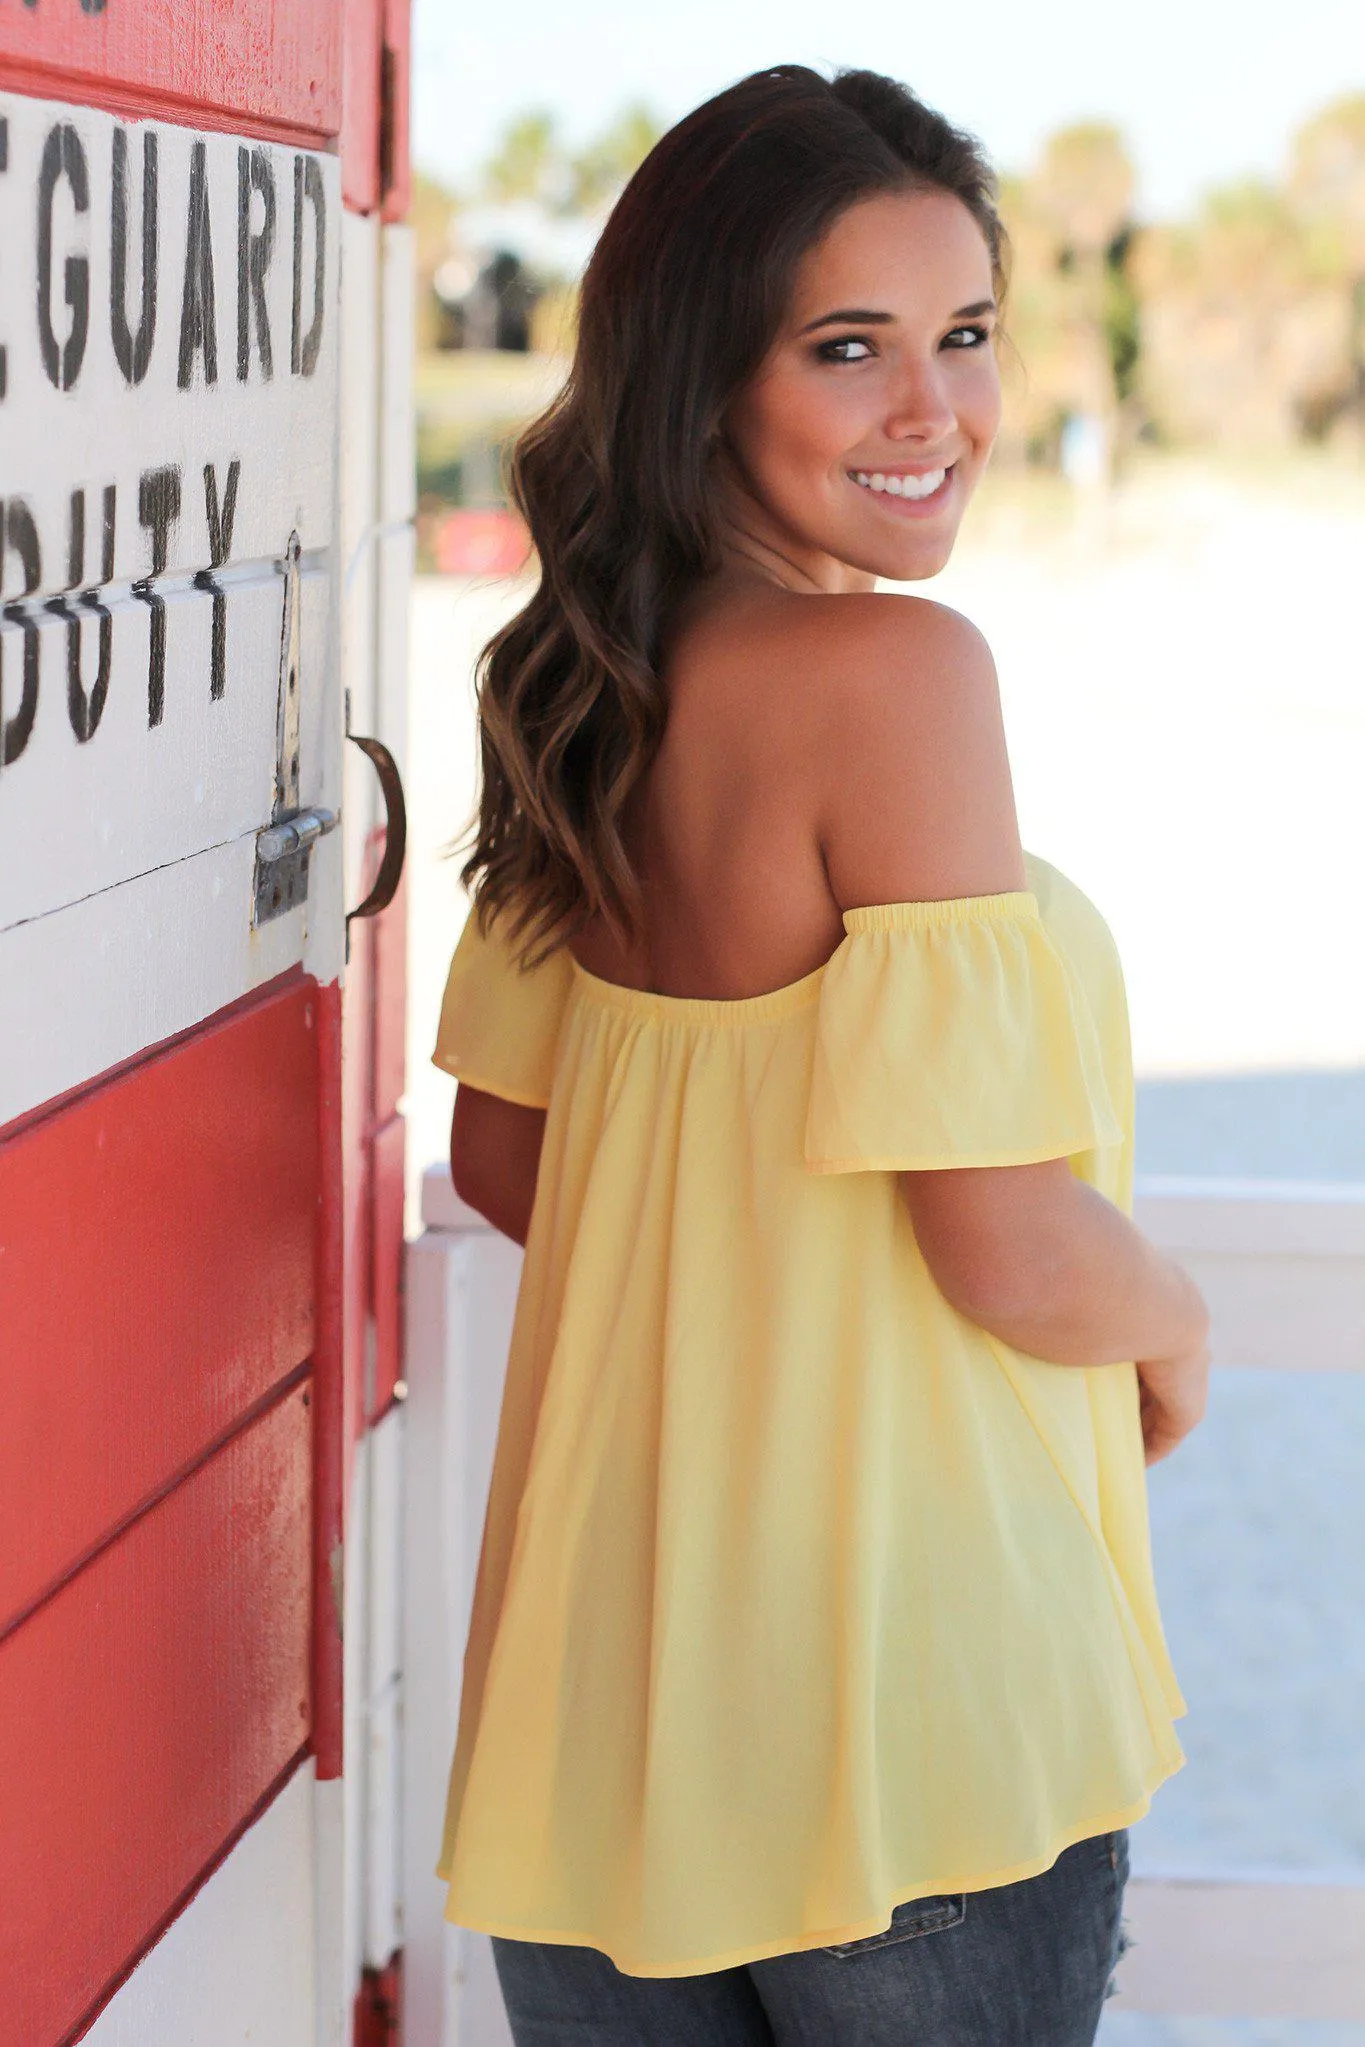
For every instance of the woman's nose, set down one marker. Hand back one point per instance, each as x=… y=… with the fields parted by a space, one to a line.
x=921 y=407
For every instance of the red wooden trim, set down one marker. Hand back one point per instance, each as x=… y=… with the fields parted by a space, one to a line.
x=360 y=106
x=145 y=1712
x=330 y=1442
x=395 y=135
x=379 y=2007
x=376 y=89
x=134 y=103
x=291 y=977
x=251 y=66
x=157 y=1280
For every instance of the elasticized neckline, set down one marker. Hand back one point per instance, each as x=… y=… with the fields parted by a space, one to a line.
x=701 y=1009
x=1012 y=904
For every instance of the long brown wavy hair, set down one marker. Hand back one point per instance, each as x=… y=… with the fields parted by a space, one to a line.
x=682 y=299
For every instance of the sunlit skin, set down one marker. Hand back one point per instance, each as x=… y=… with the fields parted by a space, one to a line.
x=886 y=363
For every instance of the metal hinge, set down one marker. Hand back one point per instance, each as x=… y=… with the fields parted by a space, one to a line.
x=284 y=846
x=282 y=861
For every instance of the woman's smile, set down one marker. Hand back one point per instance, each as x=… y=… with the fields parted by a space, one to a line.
x=907 y=493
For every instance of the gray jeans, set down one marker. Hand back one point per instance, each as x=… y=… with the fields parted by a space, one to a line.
x=1024 y=1965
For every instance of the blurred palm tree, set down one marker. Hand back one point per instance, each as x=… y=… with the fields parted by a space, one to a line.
x=1327 y=185
x=1072 y=314
x=1243 y=331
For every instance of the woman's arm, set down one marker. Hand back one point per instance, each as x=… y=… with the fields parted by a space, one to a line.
x=494 y=1158
x=1044 y=1262
x=919 y=806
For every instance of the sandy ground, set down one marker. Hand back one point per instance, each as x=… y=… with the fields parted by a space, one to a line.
x=1182 y=677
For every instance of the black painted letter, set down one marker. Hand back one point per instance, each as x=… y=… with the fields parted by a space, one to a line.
x=134 y=352
x=198 y=322
x=19 y=535
x=303 y=351
x=85 y=711
x=253 y=259
x=220 y=518
x=158 y=508
x=63 y=156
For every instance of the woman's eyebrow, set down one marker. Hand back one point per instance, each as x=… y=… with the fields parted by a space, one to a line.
x=848 y=316
x=865 y=316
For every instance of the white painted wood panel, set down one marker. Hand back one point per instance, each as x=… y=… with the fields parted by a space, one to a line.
x=92 y=984
x=461 y=1295
x=74 y=414
x=1254 y=1950
x=236 y=1969
x=398 y=469
x=383 y=1912
x=396 y=551
x=385 y=1628
x=163 y=433
x=76 y=818
x=359 y=429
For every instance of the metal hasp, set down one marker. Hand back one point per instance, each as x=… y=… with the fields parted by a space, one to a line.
x=283 y=848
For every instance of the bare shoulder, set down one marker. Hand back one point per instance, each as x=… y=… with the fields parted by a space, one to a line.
x=916 y=801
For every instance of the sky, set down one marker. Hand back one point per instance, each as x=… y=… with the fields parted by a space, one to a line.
x=1206 y=91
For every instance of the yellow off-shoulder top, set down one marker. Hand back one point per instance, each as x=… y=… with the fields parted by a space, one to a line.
x=799 y=1594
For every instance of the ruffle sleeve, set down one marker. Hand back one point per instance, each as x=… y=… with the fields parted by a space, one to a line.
x=500 y=1022
x=954 y=1034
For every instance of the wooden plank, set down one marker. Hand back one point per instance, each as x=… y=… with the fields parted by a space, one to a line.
x=156 y=1280
x=238 y=1964
x=331 y=1442
x=137 y=797
x=462 y=1298
x=92 y=985
x=360 y=105
x=151 y=494
x=376 y=89
x=221 y=345
x=146 y=1712
x=250 y=64
x=1293 y=1950
x=386 y=1293
x=396 y=144
x=383 y=1906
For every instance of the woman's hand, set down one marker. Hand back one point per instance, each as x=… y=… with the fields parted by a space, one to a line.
x=1173 y=1394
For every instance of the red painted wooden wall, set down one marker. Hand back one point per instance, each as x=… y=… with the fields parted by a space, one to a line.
x=176 y=1413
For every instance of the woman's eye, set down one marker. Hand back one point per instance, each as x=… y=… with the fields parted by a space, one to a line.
x=842 y=349
x=967 y=337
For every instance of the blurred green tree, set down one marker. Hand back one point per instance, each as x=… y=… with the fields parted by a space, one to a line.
x=528 y=161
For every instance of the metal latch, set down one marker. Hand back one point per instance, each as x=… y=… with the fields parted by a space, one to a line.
x=284 y=846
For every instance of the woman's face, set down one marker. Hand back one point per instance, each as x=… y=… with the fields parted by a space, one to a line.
x=855 y=448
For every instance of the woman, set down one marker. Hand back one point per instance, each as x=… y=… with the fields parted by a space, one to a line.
x=815 y=1669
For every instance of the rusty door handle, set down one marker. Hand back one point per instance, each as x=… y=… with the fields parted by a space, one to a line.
x=395 y=828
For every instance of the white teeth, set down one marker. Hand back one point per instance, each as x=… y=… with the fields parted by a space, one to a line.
x=901 y=486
